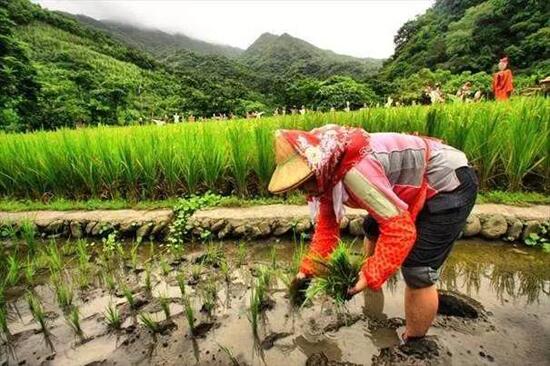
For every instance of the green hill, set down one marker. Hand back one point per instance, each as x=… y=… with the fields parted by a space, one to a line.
x=157 y=42
x=289 y=57
x=471 y=35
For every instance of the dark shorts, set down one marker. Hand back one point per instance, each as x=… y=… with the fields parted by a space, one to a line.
x=438 y=226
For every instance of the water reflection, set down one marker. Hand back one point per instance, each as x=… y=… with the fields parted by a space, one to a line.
x=510 y=274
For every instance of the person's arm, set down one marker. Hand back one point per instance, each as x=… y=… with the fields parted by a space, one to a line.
x=325 y=237
x=370 y=188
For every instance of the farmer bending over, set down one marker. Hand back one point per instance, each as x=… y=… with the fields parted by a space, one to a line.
x=418 y=193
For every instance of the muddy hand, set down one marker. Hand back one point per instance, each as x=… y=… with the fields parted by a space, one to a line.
x=298 y=288
x=359 y=286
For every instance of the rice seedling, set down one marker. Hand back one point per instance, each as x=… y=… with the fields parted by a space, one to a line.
x=129 y=296
x=64 y=293
x=241 y=254
x=112 y=317
x=196 y=270
x=227 y=351
x=53 y=257
x=240 y=158
x=254 y=310
x=224 y=269
x=109 y=282
x=5 y=333
x=134 y=256
x=164 y=302
x=209 y=296
x=180 y=278
x=337 y=274
x=73 y=320
x=214 y=255
x=273 y=256
x=39 y=316
x=28 y=232
x=165 y=267
x=189 y=314
x=149 y=323
x=82 y=253
x=147 y=280
x=13 y=272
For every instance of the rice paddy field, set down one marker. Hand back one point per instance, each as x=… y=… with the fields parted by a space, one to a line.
x=128 y=303
x=508 y=143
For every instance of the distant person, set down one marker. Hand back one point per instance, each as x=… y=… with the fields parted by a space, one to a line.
x=436 y=95
x=389 y=102
x=176 y=118
x=478 y=96
x=347 y=109
x=464 y=92
x=503 y=81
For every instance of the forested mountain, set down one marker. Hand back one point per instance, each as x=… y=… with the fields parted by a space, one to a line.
x=471 y=35
x=60 y=70
x=291 y=57
x=157 y=42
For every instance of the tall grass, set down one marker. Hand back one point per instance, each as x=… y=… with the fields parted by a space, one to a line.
x=507 y=142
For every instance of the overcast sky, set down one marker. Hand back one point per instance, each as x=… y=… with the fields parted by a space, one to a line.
x=359 y=28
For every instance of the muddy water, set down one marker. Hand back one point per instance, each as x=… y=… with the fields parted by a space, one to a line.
x=512 y=284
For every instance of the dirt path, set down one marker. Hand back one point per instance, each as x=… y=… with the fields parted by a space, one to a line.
x=539 y=212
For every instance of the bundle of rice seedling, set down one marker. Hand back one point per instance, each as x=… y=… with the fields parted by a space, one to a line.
x=336 y=274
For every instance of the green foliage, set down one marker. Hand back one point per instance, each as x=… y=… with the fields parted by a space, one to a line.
x=471 y=36
x=337 y=274
x=184 y=210
x=112 y=317
x=148 y=162
x=541 y=238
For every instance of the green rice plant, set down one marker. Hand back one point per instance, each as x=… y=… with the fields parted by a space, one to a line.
x=273 y=256
x=337 y=274
x=165 y=267
x=224 y=269
x=149 y=323
x=181 y=283
x=254 y=310
x=129 y=296
x=28 y=232
x=13 y=273
x=73 y=320
x=189 y=314
x=240 y=158
x=112 y=317
x=109 y=282
x=227 y=351
x=134 y=256
x=214 y=255
x=82 y=253
x=64 y=293
x=209 y=296
x=147 y=282
x=165 y=305
x=53 y=257
x=39 y=316
x=196 y=270
x=263 y=163
x=241 y=254
x=300 y=250
x=5 y=334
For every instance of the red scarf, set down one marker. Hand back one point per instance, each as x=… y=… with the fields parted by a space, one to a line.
x=330 y=151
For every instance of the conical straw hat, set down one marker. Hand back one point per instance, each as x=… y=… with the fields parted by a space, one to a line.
x=292 y=169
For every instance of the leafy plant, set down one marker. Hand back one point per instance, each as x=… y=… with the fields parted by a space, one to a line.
x=73 y=320
x=541 y=238
x=165 y=305
x=149 y=322
x=189 y=314
x=337 y=274
x=112 y=317
x=28 y=232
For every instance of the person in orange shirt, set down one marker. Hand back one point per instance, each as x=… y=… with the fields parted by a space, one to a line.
x=502 y=81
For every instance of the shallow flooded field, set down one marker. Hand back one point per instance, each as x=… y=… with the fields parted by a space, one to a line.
x=495 y=309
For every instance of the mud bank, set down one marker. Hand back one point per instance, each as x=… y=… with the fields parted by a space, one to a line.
x=488 y=221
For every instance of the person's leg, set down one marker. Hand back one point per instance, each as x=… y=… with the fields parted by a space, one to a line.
x=420 y=310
